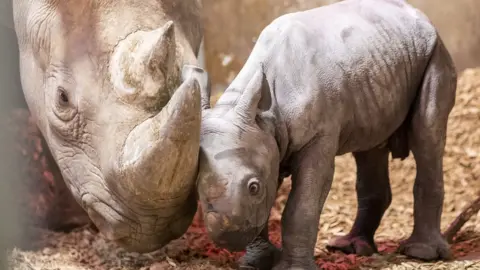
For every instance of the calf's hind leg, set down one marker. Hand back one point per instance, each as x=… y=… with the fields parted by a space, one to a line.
x=374 y=196
x=427 y=138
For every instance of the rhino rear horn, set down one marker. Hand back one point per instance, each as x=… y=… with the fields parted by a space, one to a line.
x=158 y=49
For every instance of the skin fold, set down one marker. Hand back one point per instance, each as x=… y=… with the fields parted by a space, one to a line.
x=367 y=77
x=110 y=85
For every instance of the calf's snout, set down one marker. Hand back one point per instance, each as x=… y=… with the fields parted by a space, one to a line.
x=232 y=233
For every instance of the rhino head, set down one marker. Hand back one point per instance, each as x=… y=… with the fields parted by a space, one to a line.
x=104 y=80
x=241 y=144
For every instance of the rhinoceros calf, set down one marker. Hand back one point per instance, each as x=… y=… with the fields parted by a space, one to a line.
x=102 y=78
x=367 y=77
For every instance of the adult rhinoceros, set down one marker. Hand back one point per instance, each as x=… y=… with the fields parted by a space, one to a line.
x=102 y=78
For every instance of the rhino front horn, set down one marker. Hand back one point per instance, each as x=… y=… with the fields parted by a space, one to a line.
x=160 y=156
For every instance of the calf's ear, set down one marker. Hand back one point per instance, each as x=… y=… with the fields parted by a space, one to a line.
x=256 y=98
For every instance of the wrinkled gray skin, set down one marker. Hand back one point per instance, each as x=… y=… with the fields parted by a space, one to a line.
x=368 y=77
x=103 y=79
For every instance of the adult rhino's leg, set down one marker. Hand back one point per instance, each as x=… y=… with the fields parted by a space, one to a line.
x=261 y=254
x=374 y=197
x=427 y=139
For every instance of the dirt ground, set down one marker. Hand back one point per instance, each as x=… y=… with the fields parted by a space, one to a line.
x=83 y=248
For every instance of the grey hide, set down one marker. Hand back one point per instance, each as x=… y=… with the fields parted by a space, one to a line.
x=367 y=77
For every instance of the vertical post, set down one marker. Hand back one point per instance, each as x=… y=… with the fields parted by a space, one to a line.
x=11 y=228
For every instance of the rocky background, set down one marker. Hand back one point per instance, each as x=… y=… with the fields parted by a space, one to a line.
x=34 y=201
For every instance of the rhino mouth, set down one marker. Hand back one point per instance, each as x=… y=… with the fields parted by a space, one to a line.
x=112 y=225
x=230 y=233
x=139 y=230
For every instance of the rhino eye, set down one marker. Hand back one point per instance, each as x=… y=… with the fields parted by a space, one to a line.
x=63 y=98
x=253 y=187
x=63 y=105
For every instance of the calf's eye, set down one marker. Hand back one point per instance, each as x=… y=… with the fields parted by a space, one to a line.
x=253 y=187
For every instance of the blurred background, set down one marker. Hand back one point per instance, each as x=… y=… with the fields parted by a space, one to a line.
x=233 y=26
x=32 y=192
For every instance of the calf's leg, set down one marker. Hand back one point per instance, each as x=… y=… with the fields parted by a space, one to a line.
x=427 y=138
x=261 y=254
x=374 y=196
x=312 y=178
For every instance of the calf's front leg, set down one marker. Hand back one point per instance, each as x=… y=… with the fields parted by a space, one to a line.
x=311 y=181
x=261 y=254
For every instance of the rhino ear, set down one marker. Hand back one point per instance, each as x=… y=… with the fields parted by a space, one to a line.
x=159 y=50
x=256 y=97
x=203 y=79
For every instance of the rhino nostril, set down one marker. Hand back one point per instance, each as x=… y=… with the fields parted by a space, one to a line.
x=209 y=207
x=213 y=222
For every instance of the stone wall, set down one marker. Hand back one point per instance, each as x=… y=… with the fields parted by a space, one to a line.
x=232 y=26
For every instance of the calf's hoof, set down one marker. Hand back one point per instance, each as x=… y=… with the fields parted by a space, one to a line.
x=434 y=248
x=299 y=265
x=352 y=245
x=263 y=258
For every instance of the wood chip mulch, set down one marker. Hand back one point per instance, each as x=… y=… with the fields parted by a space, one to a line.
x=85 y=249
